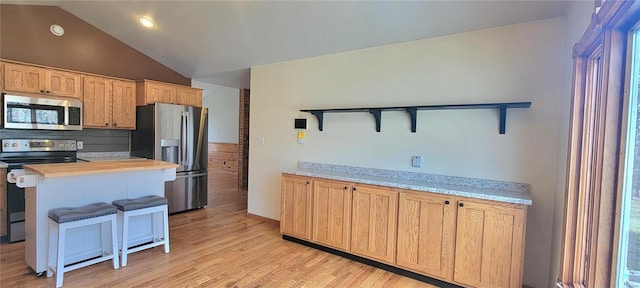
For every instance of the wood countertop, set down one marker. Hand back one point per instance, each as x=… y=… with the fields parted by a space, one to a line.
x=85 y=168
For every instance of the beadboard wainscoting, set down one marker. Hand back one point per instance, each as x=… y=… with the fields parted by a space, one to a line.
x=223 y=157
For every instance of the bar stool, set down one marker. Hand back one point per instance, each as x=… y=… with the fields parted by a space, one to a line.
x=156 y=206
x=61 y=219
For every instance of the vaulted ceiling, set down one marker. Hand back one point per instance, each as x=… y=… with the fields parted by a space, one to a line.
x=218 y=41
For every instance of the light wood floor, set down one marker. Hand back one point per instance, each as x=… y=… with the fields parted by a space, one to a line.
x=217 y=246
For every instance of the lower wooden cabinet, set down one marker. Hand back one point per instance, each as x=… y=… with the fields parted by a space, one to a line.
x=426 y=234
x=373 y=226
x=489 y=244
x=331 y=213
x=469 y=242
x=295 y=210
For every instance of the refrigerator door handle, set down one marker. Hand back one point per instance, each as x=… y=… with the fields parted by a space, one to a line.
x=191 y=175
x=183 y=138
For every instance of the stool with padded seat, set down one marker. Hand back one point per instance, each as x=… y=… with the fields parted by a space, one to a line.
x=156 y=206
x=61 y=219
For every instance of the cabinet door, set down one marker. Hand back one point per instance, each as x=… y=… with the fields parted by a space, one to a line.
x=189 y=96
x=332 y=213
x=426 y=233
x=21 y=78
x=96 y=106
x=374 y=216
x=124 y=105
x=489 y=244
x=295 y=210
x=61 y=83
x=160 y=93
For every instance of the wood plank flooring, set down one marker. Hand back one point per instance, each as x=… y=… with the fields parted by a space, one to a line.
x=217 y=246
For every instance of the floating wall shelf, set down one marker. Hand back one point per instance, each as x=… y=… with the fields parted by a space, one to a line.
x=412 y=111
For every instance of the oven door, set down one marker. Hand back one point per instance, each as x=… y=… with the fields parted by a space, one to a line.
x=15 y=208
x=15 y=213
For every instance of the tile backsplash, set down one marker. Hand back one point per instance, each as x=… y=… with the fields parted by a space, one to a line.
x=95 y=140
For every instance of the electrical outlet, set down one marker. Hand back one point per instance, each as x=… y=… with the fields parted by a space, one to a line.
x=416 y=161
x=80 y=145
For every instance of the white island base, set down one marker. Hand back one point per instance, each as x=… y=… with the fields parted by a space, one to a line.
x=59 y=191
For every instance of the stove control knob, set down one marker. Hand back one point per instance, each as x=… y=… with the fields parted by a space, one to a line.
x=14 y=145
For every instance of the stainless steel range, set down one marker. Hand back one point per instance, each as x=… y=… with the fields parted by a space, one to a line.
x=19 y=152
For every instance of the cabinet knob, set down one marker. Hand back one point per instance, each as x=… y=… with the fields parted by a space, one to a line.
x=308 y=182
x=446 y=202
x=41 y=91
x=461 y=204
x=48 y=92
x=346 y=187
x=115 y=124
x=106 y=124
x=354 y=188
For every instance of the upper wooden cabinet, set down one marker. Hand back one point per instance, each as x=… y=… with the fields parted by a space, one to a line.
x=149 y=92
x=295 y=210
x=489 y=244
x=108 y=103
x=332 y=213
x=426 y=233
x=61 y=83
x=37 y=80
x=374 y=219
x=124 y=104
x=189 y=96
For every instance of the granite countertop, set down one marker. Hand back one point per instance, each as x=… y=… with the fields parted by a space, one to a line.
x=106 y=156
x=85 y=168
x=509 y=192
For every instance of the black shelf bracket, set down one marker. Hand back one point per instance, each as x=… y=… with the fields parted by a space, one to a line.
x=319 y=115
x=377 y=114
x=413 y=112
x=413 y=116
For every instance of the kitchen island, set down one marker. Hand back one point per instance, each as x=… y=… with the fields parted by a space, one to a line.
x=49 y=186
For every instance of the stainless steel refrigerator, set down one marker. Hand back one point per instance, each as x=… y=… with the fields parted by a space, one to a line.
x=178 y=134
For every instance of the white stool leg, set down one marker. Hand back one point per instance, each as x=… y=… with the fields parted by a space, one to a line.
x=53 y=237
x=60 y=262
x=165 y=216
x=125 y=237
x=114 y=241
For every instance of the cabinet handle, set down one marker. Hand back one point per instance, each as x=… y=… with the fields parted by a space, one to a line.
x=446 y=202
x=461 y=204
x=308 y=182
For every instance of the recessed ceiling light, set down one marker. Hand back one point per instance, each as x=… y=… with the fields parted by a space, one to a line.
x=56 y=30
x=146 y=22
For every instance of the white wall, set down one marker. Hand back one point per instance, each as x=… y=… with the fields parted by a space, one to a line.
x=223 y=103
x=522 y=62
x=577 y=20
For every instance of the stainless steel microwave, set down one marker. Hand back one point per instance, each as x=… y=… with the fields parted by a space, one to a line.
x=25 y=112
